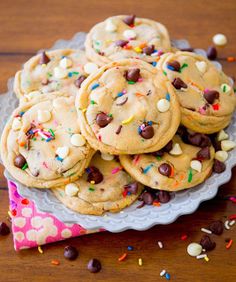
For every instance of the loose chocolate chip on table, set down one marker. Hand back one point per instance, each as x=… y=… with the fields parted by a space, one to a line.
x=173 y=65
x=95 y=175
x=132 y=75
x=211 y=95
x=217 y=227
x=204 y=153
x=79 y=81
x=163 y=196
x=178 y=83
x=165 y=169
x=147 y=198
x=147 y=132
x=211 y=53
x=103 y=119
x=19 y=161
x=149 y=50
x=70 y=253
x=218 y=166
x=207 y=243
x=4 y=229
x=199 y=139
x=94 y=265
x=121 y=43
x=132 y=188
x=44 y=59
x=129 y=20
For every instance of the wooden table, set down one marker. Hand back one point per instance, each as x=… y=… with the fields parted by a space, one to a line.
x=25 y=27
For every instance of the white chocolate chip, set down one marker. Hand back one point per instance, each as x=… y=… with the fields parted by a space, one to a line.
x=110 y=26
x=227 y=145
x=163 y=105
x=62 y=152
x=107 y=157
x=60 y=73
x=225 y=88
x=71 y=189
x=196 y=165
x=221 y=156
x=44 y=115
x=219 y=39
x=90 y=68
x=176 y=150
x=16 y=124
x=129 y=34
x=201 y=66
x=194 y=249
x=77 y=140
x=65 y=63
x=222 y=135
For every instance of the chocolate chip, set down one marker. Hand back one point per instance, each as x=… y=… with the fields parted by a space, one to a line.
x=211 y=53
x=173 y=65
x=211 y=95
x=187 y=49
x=199 y=139
x=19 y=161
x=147 y=198
x=218 y=166
x=207 y=243
x=217 y=227
x=132 y=75
x=159 y=153
x=4 y=229
x=178 y=83
x=165 y=169
x=70 y=253
x=103 y=119
x=132 y=187
x=163 y=196
x=94 y=265
x=95 y=175
x=121 y=43
x=44 y=59
x=168 y=146
x=204 y=154
x=149 y=50
x=79 y=81
x=129 y=20
x=147 y=131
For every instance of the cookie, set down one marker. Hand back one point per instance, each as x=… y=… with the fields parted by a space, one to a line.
x=176 y=167
x=205 y=94
x=127 y=107
x=58 y=70
x=41 y=144
x=123 y=37
x=105 y=186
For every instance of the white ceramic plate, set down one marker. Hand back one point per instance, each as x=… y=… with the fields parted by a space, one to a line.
x=184 y=202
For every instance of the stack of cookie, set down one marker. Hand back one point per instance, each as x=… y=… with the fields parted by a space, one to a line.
x=130 y=114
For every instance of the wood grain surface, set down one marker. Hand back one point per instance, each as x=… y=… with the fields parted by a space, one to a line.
x=27 y=26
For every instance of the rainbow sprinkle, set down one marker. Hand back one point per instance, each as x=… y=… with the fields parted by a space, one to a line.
x=190 y=175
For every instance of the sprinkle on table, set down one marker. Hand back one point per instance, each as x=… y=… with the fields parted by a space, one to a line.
x=130 y=248
x=229 y=244
x=55 y=262
x=167 y=276
x=123 y=257
x=40 y=250
x=160 y=244
x=206 y=230
x=140 y=262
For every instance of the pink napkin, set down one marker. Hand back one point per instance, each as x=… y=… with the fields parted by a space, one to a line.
x=32 y=228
